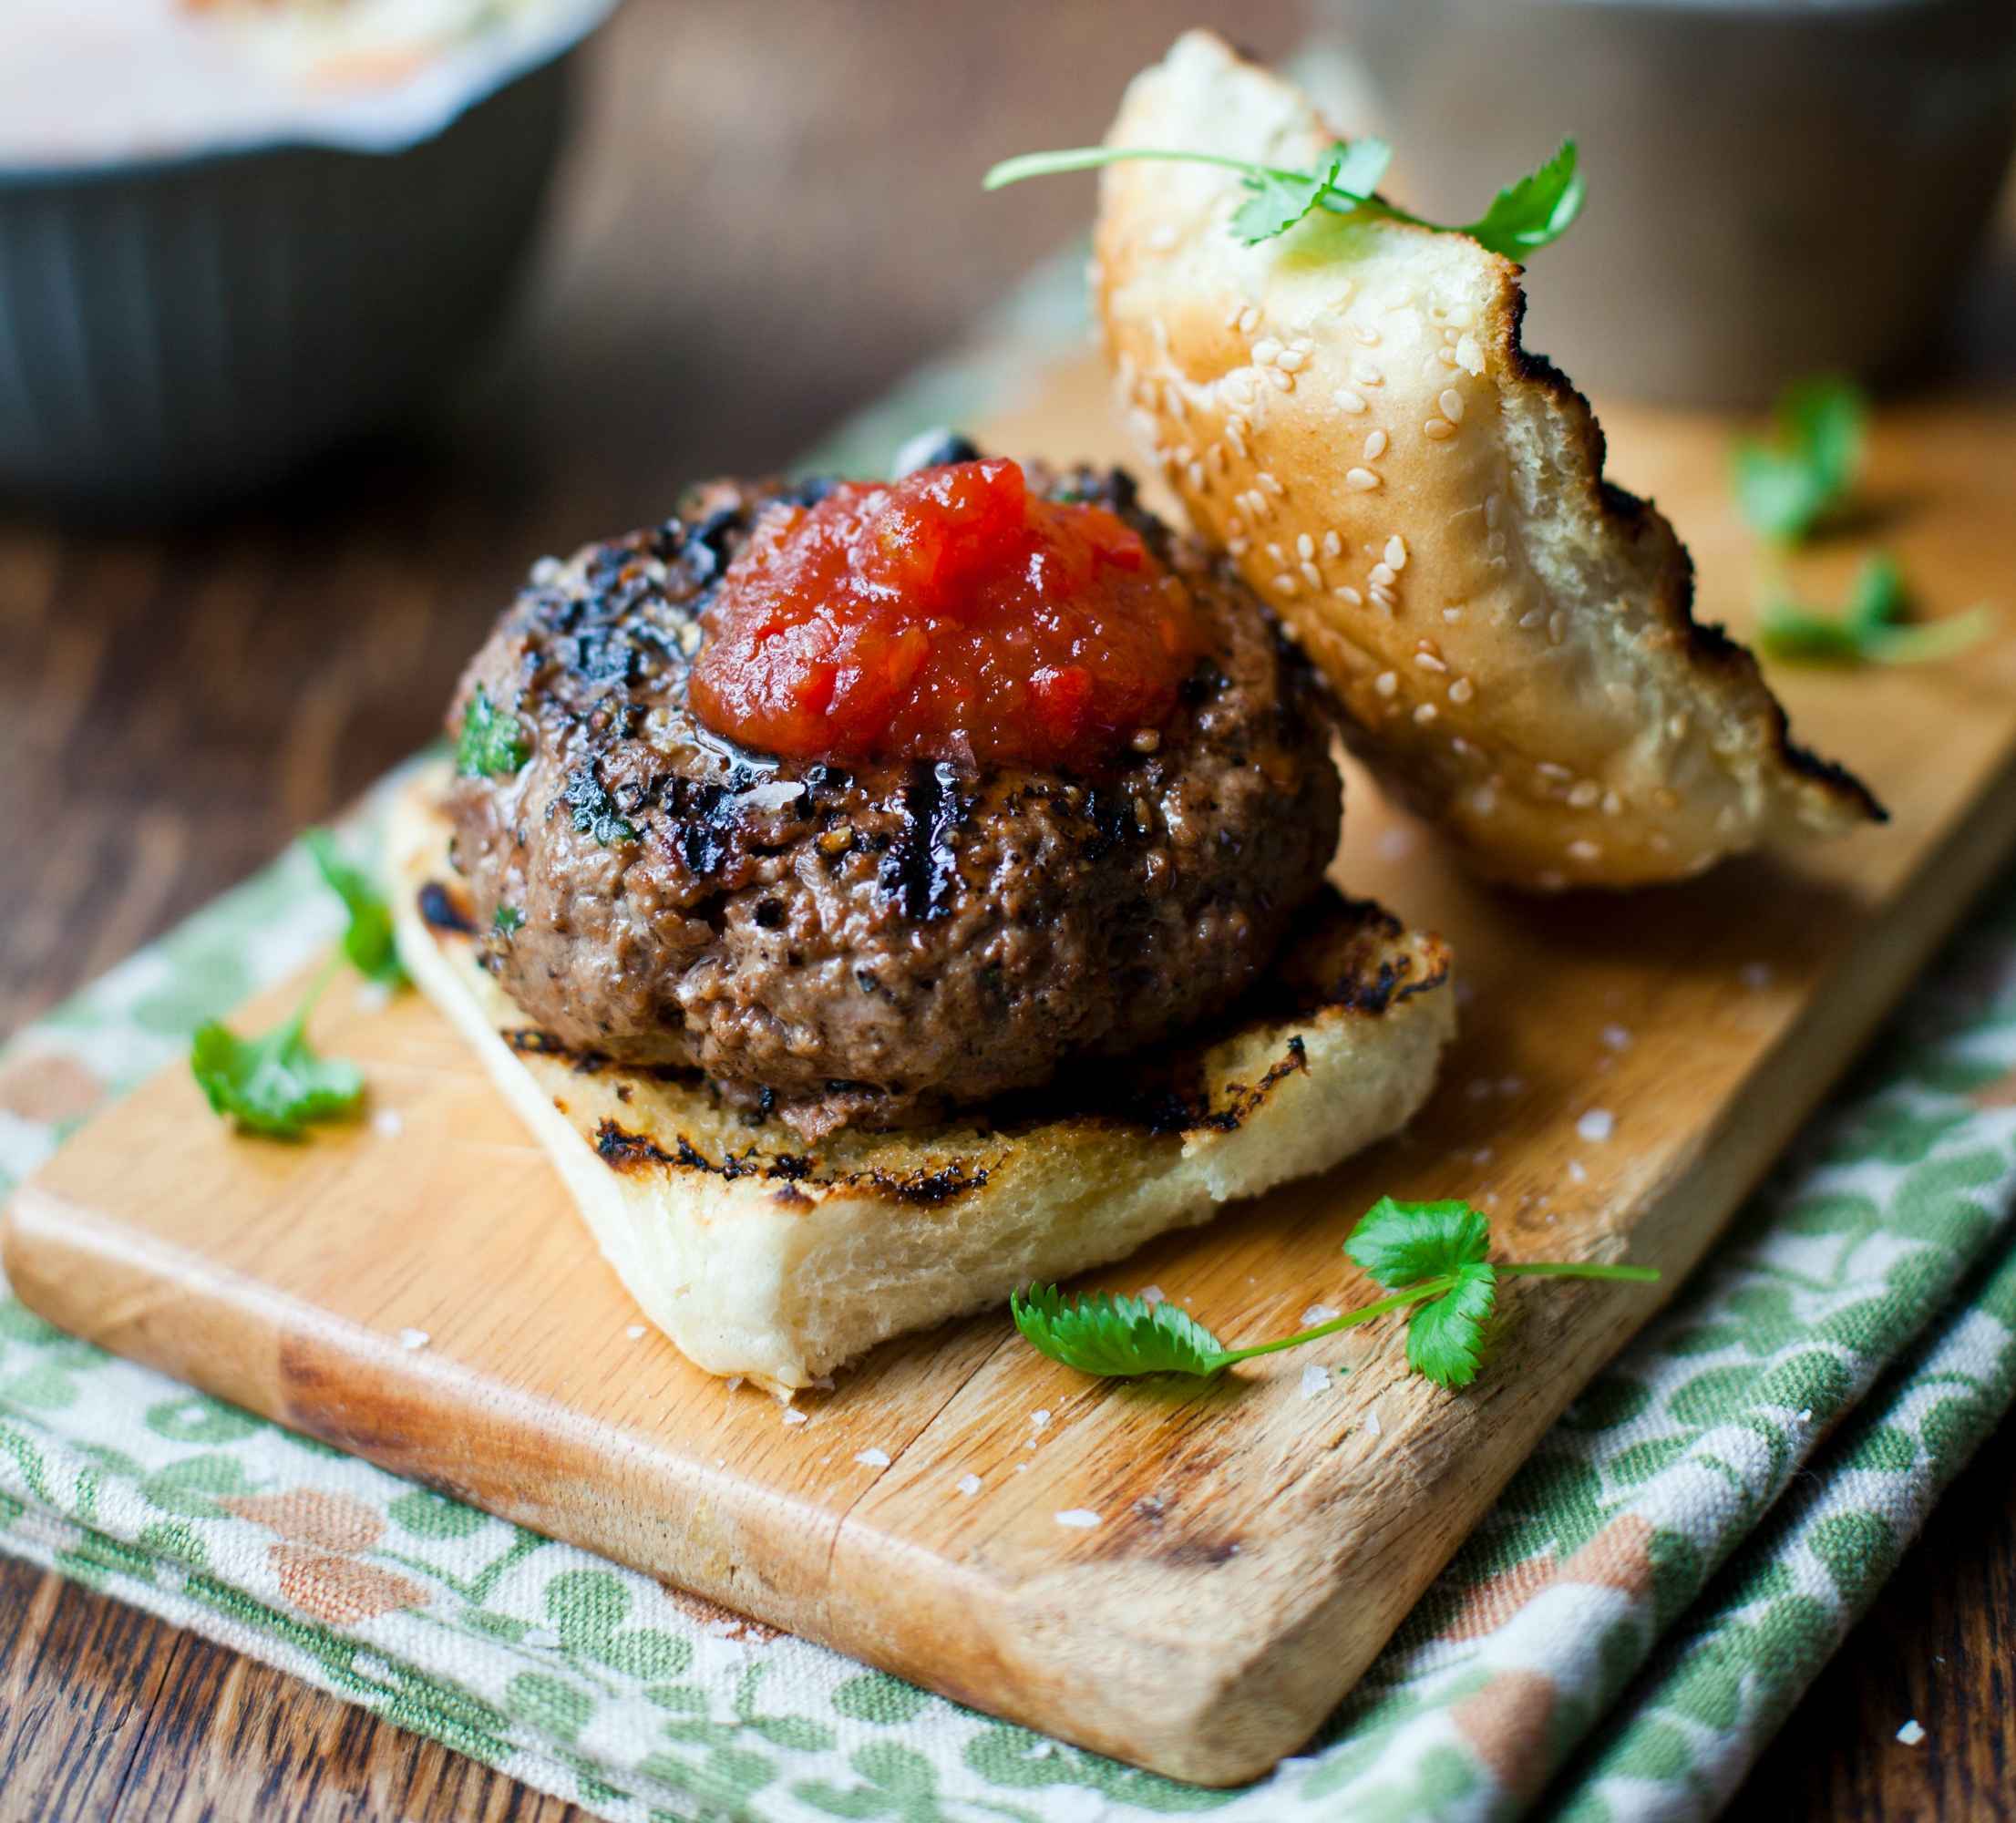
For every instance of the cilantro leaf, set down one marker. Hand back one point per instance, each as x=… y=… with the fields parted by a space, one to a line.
x=1535 y=209
x=367 y=943
x=1402 y=1243
x=1276 y=201
x=492 y=742
x=275 y=1084
x=1871 y=629
x=1101 y=1333
x=1786 y=486
x=1444 y=1335
x=1524 y=216
x=507 y=920
x=1432 y=1253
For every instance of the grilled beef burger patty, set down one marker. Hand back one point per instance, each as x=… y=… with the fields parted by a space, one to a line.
x=879 y=942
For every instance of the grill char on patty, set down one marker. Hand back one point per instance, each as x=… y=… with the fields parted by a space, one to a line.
x=875 y=943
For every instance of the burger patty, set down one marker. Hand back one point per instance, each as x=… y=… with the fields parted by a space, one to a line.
x=875 y=943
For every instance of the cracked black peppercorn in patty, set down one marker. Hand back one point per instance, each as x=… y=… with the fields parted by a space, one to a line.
x=881 y=942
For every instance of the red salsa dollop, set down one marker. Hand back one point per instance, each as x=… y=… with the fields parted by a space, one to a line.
x=949 y=615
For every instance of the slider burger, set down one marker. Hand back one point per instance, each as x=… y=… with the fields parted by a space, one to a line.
x=879 y=896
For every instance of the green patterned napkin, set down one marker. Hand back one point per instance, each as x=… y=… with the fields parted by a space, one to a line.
x=1617 y=1640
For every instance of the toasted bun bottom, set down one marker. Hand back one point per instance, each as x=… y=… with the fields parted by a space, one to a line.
x=760 y=1256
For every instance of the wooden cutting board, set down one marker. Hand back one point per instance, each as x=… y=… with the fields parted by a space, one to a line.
x=1626 y=1065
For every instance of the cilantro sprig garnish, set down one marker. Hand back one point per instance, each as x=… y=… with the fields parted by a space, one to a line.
x=1872 y=629
x=1434 y=1257
x=367 y=941
x=1524 y=216
x=275 y=1084
x=1787 y=487
x=492 y=742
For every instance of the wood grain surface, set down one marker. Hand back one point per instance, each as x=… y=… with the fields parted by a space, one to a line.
x=171 y=707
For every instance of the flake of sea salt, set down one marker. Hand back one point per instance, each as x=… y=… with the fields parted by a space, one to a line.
x=1317 y=1314
x=1912 y=1733
x=1079 y=1518
x=1315 y=1379
x=410 y=1339
x=387 y=1123
x=872 y=1458
x=1595 y=1126
x=968 y=1484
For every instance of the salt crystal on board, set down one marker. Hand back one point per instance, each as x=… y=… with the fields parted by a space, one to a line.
x=1912 y=1733
x=968 y=1484
x=872 y=1458
x=413 y=1338
x=1079 y=1518
x=1595 y=1126
x=1315 y=1380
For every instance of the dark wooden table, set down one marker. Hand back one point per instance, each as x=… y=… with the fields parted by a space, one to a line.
x=770 y=215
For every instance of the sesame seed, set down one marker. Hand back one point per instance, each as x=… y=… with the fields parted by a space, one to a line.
x=1578 y=1172
x=1396 y=551
x=1282 y=381
x=1265 y=350
x=1368 y=338
x=1196 y=474
x=1287 y=585
x=1616 y=1037
x=1428 y=661
x=1585 y=794
x=1385 y=597
x=1447 y=357
x=1346 y=400
x=1292 y=360
x=1345 y=592
x=1470 y=355
x=1584 y=851
x=1438 y=430
x=968 y=1484
x=872 y=1458
x=1079 y=1518
x=1425 y=713
x=1375 y=446
x=1462 y=690
x=1451 y=402
x=1215 y=455
x=1333 y=546
x=1548 y=769
x=1238 y=547
x=1235 y=433
x=1612 y=804
x=1595 y=1126
x=1386 y=683
x=1366 y=374
x=1249 y=319
x=1305 y=545
x=1277 y=555
x=1461 y=316
x=1363 y=480
x=1312 y=576
x=1381 y=573
x=1269 y=483
x=1231 y=317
